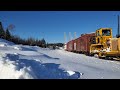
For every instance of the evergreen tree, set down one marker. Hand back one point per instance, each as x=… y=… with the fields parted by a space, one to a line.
x=2 y=32
x=8 y=35
x=43 y=42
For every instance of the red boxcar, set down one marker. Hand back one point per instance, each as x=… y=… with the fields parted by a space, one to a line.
x=83 y=43
x=70 y=46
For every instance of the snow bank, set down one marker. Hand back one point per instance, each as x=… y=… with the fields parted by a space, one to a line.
x=3 y=41
x=3 y=45
x=12 y=67
x=17 y=48
x=8 y=70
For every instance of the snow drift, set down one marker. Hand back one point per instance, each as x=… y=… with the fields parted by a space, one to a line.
x=18 y=63
x=32 y=62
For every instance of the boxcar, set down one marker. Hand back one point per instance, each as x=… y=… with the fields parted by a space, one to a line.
x=83 y=43
x=70 y=46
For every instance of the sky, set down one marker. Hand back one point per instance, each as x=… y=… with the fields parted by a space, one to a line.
x=51 y=25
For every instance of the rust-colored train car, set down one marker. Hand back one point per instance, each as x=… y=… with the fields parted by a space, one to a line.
x=83 y=43
x=70 y=46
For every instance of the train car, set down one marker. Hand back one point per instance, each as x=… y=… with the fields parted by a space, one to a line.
x=83 y=43
x=70 y=46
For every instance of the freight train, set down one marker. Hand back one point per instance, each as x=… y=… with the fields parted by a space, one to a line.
x=101 y=44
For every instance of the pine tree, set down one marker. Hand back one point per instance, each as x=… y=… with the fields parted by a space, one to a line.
x=43 y=42
x=2 y=32
x=8 y=35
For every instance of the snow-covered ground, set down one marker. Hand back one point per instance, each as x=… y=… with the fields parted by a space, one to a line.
x=32 y=62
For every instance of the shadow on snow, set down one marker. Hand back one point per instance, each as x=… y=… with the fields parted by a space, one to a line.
x=42 y=71
x=49 y=57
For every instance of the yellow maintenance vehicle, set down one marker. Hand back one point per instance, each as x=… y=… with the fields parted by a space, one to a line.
x=105 y=45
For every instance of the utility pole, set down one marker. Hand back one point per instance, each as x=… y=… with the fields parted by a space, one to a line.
x=118 y=27
x=65 y=38
x=74 y=35
x=70 y=36
x=118 y=35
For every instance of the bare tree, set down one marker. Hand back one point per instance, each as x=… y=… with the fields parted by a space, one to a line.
x=11 y=27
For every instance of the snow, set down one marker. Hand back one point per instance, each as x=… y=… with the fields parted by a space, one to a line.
x=6 y=42
x=32 y=62
x=95 y=51
x=2 y=45
x=108 y=49
x=90 y=32
x=70 y=72
x=17 y=48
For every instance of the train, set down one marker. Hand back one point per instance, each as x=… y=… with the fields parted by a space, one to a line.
x=99 y=43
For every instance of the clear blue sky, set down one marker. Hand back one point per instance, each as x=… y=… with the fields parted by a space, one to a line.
x=52 y=24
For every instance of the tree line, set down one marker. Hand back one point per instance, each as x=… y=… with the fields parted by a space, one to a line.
x=5 y=34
